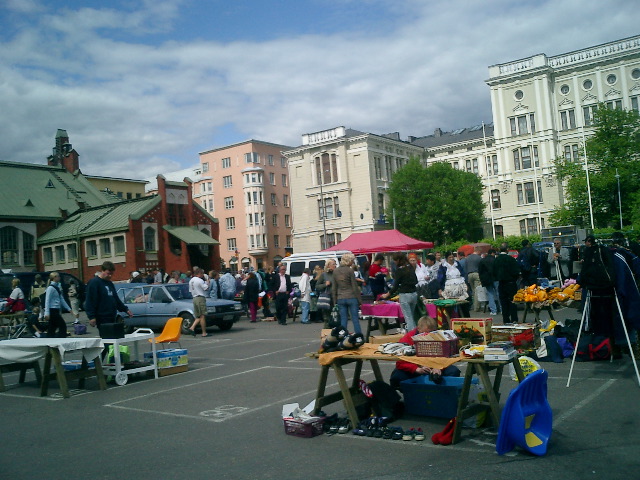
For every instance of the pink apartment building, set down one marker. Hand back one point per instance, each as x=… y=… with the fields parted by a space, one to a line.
x=246 y=187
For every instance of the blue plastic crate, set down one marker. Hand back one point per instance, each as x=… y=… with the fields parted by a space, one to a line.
x=425 y=398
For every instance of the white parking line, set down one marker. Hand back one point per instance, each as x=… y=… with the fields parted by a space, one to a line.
x=560 y=419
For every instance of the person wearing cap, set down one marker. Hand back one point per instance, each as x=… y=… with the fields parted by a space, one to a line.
x=135 y=277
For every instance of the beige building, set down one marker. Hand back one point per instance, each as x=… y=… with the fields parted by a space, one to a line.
x=123 y=188
x=339 y=180
x=542 y=109
x=246 y=186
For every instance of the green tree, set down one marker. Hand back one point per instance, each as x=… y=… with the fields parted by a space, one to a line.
x=615 y=145
x=437 y=203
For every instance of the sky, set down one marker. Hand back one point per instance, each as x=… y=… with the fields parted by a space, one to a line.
x=143 y=86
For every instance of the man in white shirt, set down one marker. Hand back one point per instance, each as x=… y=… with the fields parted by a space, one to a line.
x=198 y=288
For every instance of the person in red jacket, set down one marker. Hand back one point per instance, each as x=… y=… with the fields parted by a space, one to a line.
x=406 y=370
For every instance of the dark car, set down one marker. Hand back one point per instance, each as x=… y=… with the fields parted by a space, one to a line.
x=27 y=279
x=152 y=305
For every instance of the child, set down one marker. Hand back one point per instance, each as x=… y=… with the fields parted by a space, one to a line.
x=36 y=328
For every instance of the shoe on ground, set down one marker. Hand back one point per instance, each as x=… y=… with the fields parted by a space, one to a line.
x=419 y=435
x=408 y=435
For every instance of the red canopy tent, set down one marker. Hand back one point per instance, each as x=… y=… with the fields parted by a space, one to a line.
x=380 y=241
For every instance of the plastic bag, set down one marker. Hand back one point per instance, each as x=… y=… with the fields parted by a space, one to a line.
x=527 y=364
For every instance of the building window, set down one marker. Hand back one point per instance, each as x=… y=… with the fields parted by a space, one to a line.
x=231 y=244
x=527 y=194
x=176 y=215
x=468 y=165
x=138 y=195
x=332 y=239
x=231 y=223
x=211 y=205
x=28 y=242
x=492 y=164
x=614 y=105
x=72 y=252
x=283 y=162
x=634 y=104
x=495 y=199
x=228 y=203
x=331 y=207
x=287 y=220
x=475 y=166
x=248 y=198
x=92 y=249
x=150 y=239
x=274 y=219
x=227 y=181
x=326 y=167
x=119 y=194
x=377 y=161
x=564 y=89
x=532 y=226
x=288 y=241
x=568 y=119
x=611 y=79
x=47 y=254
x=522 y=158
x=285 y=200
x=226 y=162
x=60 y=254
x=270 y=159
x=571 y=153
x=499 y=230
x=456 y=165
x=523 y=228
x=118 y=245
x=252 y=157
x=274 y=201
x=284 y=180
x=9 y=245
x=205 y=167
x=250 y=219
x=129 y=195
x=588 y=114
x=105 y=247
x=276 y=241
x=539 y=187
x=522 y=124
x=587 y=84
x=272 y=178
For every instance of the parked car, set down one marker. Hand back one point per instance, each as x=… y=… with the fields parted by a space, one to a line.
x=152 y=305
x=27 y=279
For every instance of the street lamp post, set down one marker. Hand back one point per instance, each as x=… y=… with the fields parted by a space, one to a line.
x=323 y=209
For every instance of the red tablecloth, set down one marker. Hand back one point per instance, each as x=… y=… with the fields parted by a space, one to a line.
x=382 y=310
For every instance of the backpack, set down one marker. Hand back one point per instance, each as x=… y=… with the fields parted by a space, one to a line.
x=593 y=347
x=385 y=401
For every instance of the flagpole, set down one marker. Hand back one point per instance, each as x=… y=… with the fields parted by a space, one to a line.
x=535 y=177
x=586 y=168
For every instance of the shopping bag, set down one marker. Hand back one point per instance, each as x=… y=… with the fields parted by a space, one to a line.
x=324 y=301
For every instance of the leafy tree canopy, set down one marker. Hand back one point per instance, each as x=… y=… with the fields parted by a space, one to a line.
x=615 y=145
x=437 y=203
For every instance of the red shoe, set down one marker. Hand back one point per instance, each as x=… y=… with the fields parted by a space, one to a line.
x=446 y=437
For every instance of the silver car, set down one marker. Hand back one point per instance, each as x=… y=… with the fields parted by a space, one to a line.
x=153 y=305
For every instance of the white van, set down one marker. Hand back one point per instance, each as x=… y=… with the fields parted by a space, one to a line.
x=297 y=262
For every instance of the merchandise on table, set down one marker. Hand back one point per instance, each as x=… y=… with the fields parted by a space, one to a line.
x=170 y=357
x=439 y=343
x=71 y=365
x=523 y=335
x=477 y=331
x=425 y=398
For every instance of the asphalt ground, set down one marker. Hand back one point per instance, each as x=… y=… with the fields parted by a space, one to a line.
x=222 y=419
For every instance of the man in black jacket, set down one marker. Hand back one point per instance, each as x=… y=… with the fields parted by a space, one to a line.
x=506 y=271
x=102 y=302
x=485 y=271
x=281 y=287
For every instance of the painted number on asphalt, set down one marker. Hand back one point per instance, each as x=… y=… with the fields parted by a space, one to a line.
x=223 y=412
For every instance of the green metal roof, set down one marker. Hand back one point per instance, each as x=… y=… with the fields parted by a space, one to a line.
x=100 y=220
x=190 y=235
x=40 y=192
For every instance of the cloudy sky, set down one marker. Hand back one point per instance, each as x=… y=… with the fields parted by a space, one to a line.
x=143 y=86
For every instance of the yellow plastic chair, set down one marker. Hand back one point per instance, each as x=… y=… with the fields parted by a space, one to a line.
x=171 y=332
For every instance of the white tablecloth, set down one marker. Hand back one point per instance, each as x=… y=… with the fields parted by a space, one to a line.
x=25 y=350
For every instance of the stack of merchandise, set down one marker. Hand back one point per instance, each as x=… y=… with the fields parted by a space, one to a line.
x=499 y=351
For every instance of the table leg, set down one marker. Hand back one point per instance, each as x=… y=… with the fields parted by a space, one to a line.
x=346 y=393
x=322 y=385
x=463 y=401
x=102 y=383
x=356 y=376
x=526 y=310
x=382 y=325
x=483 y=373
x=44 y=385
x=369 y=320
x=518 y=369
x=376 y=370
x=62 y=378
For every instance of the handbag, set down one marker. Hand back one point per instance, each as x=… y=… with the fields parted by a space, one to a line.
x=324 y=301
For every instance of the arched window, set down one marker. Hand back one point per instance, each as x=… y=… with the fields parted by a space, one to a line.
x=150 y=239
x=9 y=246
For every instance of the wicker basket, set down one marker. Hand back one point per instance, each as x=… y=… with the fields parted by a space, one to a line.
x=435 y=348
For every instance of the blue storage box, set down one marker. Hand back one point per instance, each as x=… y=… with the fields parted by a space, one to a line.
x=425 y=398
x=170 y=357
x=71 y=365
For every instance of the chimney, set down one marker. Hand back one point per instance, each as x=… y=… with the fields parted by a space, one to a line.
x=437 y=132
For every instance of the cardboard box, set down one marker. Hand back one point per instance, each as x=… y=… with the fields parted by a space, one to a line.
x=513 y=333
x=380 y=339
x=425 y=398
x=162 y=372
x=170 y=357
x=480 y=325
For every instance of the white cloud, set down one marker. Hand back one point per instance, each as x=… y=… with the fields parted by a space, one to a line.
x=132 y=107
